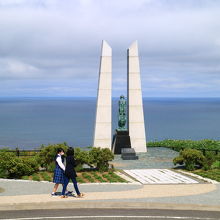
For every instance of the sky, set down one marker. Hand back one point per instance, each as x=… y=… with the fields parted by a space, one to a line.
x=52 y=47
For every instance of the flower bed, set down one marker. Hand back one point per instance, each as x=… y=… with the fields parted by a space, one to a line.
x=82 y=177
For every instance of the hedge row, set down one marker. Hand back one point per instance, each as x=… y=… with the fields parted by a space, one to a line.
x=205 y=144
x=12 y=166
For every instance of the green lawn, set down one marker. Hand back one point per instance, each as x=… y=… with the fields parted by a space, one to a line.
x=211 y=174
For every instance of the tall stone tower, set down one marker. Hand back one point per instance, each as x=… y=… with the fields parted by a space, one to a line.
x=103 y=121
x=136 y=125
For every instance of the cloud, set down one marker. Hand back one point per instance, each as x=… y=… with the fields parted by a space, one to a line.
x=52 y=40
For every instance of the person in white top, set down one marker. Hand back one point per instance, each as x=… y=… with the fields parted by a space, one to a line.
x=58 y=177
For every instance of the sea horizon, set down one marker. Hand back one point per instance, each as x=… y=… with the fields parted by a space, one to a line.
x=28 y=122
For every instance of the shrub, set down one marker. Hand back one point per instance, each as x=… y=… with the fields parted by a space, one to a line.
x=50 y=167
x=94 y=157
x=15 y=167
x=191 y=158
x=100 y=158
x=79 y=168
x=210 y=158
x=81 y=157
x=47 y=154
x=32 y=163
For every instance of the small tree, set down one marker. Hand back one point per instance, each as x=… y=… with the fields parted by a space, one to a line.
x=190 y=157
x=15 y=167
x=100 y=158
x=82 y=157
x=210 y=158
x=48 y=153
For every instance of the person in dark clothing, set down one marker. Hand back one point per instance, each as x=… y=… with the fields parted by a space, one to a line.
x=70 y=173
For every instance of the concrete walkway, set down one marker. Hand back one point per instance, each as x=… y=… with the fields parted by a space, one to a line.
x=24 y=195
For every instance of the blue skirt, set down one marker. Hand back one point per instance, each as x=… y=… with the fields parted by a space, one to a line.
x=58 y=176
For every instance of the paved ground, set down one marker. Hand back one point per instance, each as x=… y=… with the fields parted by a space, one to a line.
x=109 y=214
x=31 y=195
x=156 y=157
x=159 y=176
x=23 y=187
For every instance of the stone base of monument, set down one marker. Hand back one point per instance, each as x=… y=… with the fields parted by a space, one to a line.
x=121 y=140
x=128 y=154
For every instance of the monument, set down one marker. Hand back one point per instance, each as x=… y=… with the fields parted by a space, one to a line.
x=136 y=126
x=135 y=117
x=103 y=121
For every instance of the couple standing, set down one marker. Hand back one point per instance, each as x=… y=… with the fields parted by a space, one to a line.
x=62 y=174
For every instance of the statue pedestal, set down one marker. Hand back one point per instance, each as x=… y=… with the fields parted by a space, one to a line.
x=121 y=139
x=128 y=154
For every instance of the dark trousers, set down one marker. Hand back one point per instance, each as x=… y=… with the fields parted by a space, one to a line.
x=66 y=181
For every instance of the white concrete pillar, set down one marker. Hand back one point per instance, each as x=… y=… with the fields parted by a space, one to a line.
x=136 y=125
x=103 y=122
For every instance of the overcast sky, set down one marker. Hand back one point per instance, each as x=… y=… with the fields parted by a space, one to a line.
x=52 y=47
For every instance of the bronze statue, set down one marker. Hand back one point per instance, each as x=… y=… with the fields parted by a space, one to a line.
x=122 y=118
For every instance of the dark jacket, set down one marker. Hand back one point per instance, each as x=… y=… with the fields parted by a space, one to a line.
x=70 y=164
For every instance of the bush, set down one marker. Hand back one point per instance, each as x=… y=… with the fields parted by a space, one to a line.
x=210 y=158
x=47 y=154
x=15 y=167
x=50 y=167
x=191 y=158
x=100 y=158
x=32 y=163
x=94 y=157
x=81 y=157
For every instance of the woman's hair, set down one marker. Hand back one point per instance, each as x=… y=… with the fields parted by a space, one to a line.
x=70 y=151
x=60 y=150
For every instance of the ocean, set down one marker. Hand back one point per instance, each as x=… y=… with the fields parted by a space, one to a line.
x=28 y=123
